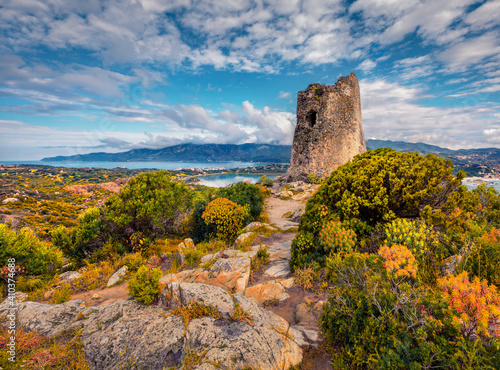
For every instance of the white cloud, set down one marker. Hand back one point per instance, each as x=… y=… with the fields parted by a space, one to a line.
x=414 y=68
x=485 y=16
x=471 y=51
x=367 y=65
x=284 y=95
x=391 y=111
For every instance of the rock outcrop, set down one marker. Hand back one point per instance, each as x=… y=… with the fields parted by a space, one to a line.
x=228 y=273
x=129 y=335
x=329 y=130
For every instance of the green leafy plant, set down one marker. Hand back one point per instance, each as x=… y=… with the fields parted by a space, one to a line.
x=375 y=321
x=483 y=260
x=62 y=295
x=261 y=258
x=145 y=285
x=133 y=261
x=245 y=194
x=34 y=256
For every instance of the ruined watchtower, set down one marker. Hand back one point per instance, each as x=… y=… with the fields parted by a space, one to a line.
x=329 y=131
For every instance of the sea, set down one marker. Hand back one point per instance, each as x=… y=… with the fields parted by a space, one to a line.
x=493 y=183
x=139 y=165
x=217 y=180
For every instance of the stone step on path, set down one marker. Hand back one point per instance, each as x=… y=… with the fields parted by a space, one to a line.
x=279 y=255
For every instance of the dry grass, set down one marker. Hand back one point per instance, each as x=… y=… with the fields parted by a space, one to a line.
x=195 y=311
x=33 y=351
x=240 y=315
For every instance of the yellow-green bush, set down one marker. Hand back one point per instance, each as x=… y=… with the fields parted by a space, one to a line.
x=145 y=285
x=336 y=238
x=421 y=241
x=413 y=234
x=133 y=261
x=373 y=189
x=226 y=216
x=35 y=256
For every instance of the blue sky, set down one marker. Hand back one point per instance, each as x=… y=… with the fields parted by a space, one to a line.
x=85 y=76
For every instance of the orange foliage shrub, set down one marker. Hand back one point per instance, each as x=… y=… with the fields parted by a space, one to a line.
x=335 y=238
x=399 y=260
x=476 y=304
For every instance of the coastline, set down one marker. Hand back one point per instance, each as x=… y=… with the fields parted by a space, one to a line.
x=473 y=182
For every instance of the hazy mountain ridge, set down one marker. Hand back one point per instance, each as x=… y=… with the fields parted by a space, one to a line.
x=253 y=153
x=190 y=153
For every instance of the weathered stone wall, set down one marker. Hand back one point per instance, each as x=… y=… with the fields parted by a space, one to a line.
x=329 y=131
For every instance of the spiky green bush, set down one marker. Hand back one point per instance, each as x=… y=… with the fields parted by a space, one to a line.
x=145 y=285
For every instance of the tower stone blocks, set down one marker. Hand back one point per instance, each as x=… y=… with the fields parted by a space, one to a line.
x=329 y=131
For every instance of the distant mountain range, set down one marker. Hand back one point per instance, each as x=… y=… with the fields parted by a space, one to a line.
x=190 y=153
x=252 y=153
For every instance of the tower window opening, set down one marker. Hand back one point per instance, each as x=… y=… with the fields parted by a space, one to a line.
x=312 y=118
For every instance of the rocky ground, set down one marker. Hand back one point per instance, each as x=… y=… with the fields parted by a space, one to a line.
x=261 y=317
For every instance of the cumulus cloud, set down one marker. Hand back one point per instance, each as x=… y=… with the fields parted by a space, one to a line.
x=367 y=65
x=391 y=111
x=240 y=35
x=95 y=60
x=472 y=51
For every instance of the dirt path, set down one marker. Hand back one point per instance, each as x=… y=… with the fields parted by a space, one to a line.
x=107 y=295
x=276 y=208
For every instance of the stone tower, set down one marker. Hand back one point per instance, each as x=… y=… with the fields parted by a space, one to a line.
x=329 y=131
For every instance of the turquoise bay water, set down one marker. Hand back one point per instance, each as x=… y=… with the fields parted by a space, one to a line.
x=138 y=165
x=494 y=184
x=219 y=181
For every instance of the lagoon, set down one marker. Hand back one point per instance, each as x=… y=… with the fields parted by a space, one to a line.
x=219 y=181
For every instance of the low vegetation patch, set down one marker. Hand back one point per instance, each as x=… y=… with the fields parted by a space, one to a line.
x=261 y=258
x=194 y=311
x=33 y=351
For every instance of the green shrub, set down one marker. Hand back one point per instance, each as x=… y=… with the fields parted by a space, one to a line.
x=152 y=204
x=375 y=321
x=29 y=284
x=335 y=238
x=484 y=202
x=483 y=261
x=133 y=261
x=145 y=285
x=377 y=187
x=265 y=181
x=413 y=234
x=245 y=194
x=312 y=178
x=35 y=256
x=226 y=216
x=62 y=295
x=84 y=239
x=200 y=231
x=420 y=239
x=261 y=258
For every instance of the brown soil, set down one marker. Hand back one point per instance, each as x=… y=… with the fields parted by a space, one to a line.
x=276 y=208
x=109 y=295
